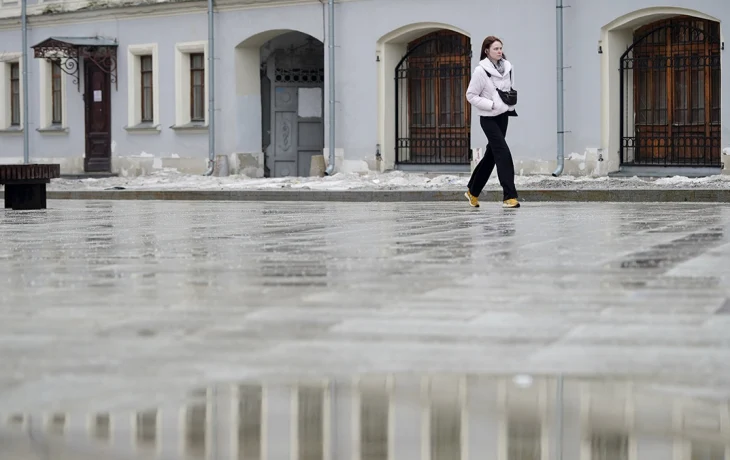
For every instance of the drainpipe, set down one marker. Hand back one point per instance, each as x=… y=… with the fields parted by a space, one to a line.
x=211 y=90
x=331 y=78
x=559 y=414
x=24 y=27
x=560 y=93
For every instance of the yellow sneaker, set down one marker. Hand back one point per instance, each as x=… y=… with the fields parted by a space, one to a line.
x=511 y=203
x=474 y=201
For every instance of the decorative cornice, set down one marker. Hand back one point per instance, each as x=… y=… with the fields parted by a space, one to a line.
x=92 y=10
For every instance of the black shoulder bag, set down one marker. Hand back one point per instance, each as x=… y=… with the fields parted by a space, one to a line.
x=509 y=97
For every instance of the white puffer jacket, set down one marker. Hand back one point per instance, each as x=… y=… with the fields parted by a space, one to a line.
x=482 y=91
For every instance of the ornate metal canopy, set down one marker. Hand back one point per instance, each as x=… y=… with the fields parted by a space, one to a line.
x=71 y=50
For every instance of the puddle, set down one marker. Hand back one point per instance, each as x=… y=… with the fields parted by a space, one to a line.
x=663 y=257
x=393 y=417
x=724 y=309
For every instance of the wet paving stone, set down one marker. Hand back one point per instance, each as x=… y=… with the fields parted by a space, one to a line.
x=120 y=302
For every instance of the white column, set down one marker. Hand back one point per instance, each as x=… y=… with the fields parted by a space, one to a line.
x=221 y=429
x=655 y=421
x=481 y=430
x=278 y=414
x=572 y=421
x=405 y=425
x=650 y=447
x=170 y=431
x=342 y=420
x=76 y=428
x=123 y=436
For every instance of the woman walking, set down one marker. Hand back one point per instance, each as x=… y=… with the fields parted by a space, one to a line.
x=493 y=76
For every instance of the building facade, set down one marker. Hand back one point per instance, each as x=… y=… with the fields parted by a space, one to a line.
x=403 y=417
x=123 y=86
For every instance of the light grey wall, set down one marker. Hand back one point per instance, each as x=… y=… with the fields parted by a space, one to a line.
x=165 y=31
x=528 y=42
x=527 y=27
x=238 y=122
x=11 y=144
x=239 y=118
x=583 y=22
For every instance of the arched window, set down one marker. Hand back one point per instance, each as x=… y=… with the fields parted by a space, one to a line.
x=432 y=115
x=670 y=94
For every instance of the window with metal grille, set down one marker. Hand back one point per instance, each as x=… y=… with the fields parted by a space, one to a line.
x=373 y=422
x=197 y=87
x=432 y=120
x=249 y=422
x=311 y=435
x=609 y=446
x=707 y=451
x=445 y=423
x=670 y=80
x=147 y=428
x=196 y=420
x=56 y=95
x=146 y=88
x=15 y=94
x=524 y=440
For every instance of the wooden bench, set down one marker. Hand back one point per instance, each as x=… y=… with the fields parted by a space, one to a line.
x=25 y=185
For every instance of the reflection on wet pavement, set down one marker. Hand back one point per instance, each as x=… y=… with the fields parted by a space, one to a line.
x=110 y=312
x=398 y=416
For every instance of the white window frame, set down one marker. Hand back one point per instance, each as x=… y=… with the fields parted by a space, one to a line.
x=182 y=83
x=46 y=98
x=6 y=59
x=134 y=87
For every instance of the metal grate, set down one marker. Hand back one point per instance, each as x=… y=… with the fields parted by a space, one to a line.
x=670 y=95
x=31 y=172
x=433 y=119
x=299 y=75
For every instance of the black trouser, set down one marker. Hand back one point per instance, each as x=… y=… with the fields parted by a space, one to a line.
x=498 y=154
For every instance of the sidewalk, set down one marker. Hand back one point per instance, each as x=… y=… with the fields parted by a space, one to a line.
x=387 y=187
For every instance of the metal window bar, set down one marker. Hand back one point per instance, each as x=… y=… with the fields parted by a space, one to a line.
x=670 y=95
x=197 y=87
x=147 y=109
x=56 y=96
x=609 y=446
x=15 y=94
x=433 y=125
x=524 y=440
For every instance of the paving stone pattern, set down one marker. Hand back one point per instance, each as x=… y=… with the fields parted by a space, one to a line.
x=122 y=301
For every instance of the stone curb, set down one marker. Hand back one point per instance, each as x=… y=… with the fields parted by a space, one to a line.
x=583 y=195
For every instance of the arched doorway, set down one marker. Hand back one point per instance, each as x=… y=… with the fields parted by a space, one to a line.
x=433 y=119
x=292 y=103
x=279 y=125
x=670 y=94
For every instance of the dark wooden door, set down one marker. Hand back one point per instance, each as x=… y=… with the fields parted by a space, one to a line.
x=97 y=99
x=433 y=118
x=676 y=87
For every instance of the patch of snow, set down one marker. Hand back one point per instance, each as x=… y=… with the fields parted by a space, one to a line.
x=172 y=179
x=523 y=380
x=577 y=156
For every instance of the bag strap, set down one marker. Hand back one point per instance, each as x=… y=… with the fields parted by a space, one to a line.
x=489 y=75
